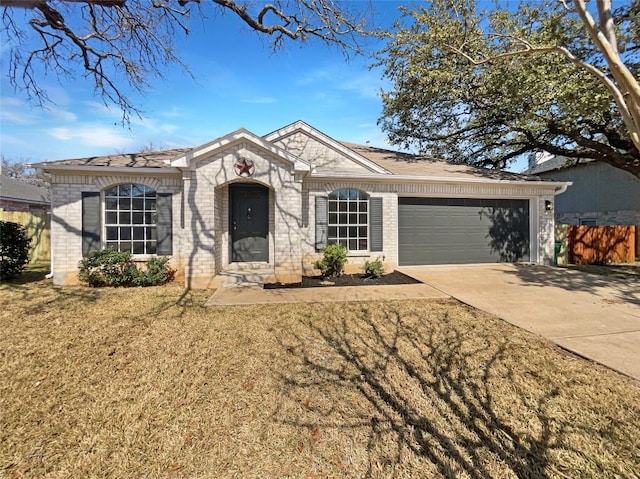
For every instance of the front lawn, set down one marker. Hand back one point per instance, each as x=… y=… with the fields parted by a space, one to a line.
x=147 y=383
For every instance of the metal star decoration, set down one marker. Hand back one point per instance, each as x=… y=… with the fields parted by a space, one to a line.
x=244 y=167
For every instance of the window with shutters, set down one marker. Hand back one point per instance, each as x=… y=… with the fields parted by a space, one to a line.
x=130 y=219
x=348 y=222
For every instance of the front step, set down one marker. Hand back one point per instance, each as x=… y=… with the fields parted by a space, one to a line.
x=232 y=278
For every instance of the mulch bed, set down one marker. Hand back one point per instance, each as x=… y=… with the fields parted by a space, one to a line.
x=347 y=280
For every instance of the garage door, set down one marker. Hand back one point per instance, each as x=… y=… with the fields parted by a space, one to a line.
x=462 y=230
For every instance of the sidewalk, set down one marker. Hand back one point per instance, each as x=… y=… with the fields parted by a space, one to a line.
x=243 y=295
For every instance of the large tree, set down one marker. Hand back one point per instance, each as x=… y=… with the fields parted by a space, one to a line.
x=486 y=87
x=120 y=43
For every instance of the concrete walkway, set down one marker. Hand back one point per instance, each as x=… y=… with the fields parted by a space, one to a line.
x=595 y=316
x=241 y=295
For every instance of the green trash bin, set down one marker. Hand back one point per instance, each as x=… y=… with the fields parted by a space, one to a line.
x=557 y=246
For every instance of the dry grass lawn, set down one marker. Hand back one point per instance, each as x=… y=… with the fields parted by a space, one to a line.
x=146 y=383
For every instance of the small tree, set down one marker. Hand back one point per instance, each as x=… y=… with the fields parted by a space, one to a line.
x=14 y=249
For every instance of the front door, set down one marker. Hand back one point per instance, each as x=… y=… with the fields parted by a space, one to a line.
x=249 y=220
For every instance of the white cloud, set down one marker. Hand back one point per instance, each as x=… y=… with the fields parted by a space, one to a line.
x=15 y=110
x=92 y=135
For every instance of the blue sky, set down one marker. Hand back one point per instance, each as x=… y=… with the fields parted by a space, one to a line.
x=238 y=82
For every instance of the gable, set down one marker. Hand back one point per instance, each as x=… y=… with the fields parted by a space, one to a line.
x=324 y=154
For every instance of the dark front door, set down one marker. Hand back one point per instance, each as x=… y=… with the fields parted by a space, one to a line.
x=249 y=220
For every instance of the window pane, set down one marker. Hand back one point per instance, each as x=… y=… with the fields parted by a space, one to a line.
x=111 y=217
x=112 y=191
x=362 y=231
x=149 y=192
x=363 y=218
x=353 y=231
x=343 y=242
x=137 y=204
x=333 y=231
x=112 y=244
x=125 y=218
x=342 y=206
x=112 y=233
x=333 y=206
x=125 y=190
x=137 y=218
x=125 y=233
x=363 y=206
x=150 y=205
x=137 y=190
x=353 y=206
x=353 y=244
x=151 y=233
x=138 y=247
x=138 y=233
x=353 y=218
x=342 y=232
x=362 y=245
x=333 y=218
x=151 y=248
x=124 y=203
x=149 y=218
x=111 y=203
x=125 y=246
x=342 y=218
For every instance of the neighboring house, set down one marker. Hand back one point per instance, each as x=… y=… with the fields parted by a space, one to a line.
x=29 y=205
x=17 y=195
x=600 y=194
x=270 y=203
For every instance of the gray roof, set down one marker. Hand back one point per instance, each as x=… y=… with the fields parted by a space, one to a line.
x=17 y=190
x=396 y=162
x=146 y=159
x=407 y=164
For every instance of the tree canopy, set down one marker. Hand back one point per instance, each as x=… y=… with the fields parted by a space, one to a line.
x=486 y=86
x=119 y=43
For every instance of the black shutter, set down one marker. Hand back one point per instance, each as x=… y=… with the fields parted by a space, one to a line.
x=375 y=224
x=90 y=222
x=321 y=222
x=164 y=224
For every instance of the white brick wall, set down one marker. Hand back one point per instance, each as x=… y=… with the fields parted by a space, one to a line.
x=201 y=219
x=66 y=216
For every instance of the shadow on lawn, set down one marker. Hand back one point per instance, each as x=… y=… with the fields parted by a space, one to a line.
x=422 y=391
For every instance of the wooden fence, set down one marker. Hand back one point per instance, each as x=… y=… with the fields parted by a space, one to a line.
x=601 y=244
x=38 y=225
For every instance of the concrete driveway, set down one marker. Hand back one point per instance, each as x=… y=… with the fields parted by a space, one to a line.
x=595 y=316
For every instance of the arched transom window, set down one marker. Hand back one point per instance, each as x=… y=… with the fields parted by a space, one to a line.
x=348 y=222
x=130 y=218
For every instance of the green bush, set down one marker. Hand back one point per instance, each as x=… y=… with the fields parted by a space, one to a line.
x=373 y=269
x=333 y=260
x=109 y=267
x=14 y=249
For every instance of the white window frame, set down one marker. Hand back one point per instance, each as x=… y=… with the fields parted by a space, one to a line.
x=150 y=235
x=343 y=230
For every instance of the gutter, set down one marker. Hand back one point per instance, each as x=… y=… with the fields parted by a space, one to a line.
x=439 y=179
x=563 y=187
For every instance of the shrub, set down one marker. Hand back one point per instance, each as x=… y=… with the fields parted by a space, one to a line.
x=373 y=269
x=14 y=249
x=109 y=267
x=333 y=260
x=157 y=272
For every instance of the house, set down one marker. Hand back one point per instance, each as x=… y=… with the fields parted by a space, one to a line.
x=17 y=195
x=600 y=195
x=29 y=205
x=270 y=203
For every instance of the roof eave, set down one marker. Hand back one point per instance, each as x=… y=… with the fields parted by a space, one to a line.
x=87 y=169
x=438 y=179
